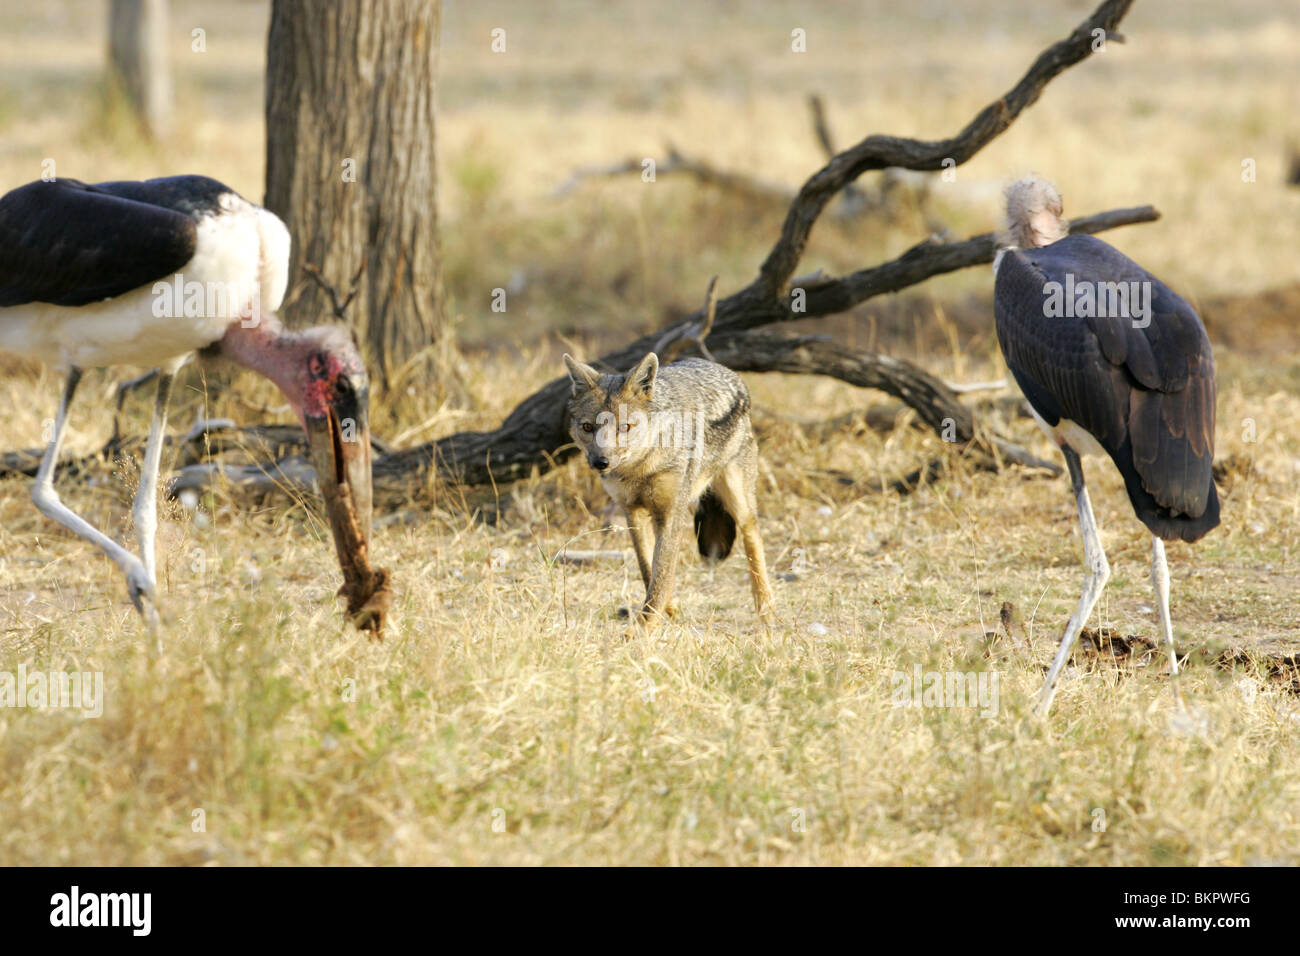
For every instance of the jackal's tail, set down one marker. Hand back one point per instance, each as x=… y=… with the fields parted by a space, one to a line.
x=715 y=528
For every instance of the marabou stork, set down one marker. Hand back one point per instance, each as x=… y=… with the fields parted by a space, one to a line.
x=1111 y=360
x=146 y=274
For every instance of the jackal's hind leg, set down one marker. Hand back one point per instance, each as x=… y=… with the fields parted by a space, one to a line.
x=737 y=486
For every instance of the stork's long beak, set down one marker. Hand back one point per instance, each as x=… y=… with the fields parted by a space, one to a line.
x=340 y=453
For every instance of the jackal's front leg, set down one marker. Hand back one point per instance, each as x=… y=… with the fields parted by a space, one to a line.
x=659 y=599
x=641 y=527
x=643 y=541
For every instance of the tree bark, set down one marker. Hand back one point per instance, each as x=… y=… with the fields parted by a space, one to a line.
x=350 y=119
x=137 y=59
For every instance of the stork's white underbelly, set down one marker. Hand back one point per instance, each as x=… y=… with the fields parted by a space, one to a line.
x=119 y=331
x=237 y=275
x=1070 y=433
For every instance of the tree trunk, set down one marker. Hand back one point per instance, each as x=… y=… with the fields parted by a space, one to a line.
x=137 y=59
x=350 y=117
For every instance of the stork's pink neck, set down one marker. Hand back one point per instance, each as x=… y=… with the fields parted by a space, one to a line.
x=269 y=348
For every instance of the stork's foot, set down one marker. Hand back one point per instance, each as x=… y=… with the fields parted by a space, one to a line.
x=1189 y=722
x=153 y=628
x=143 y=593
x=1179 y=700
x=140 y=587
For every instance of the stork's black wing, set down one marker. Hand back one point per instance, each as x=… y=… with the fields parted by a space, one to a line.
x=68 y=243
x=1143 y=385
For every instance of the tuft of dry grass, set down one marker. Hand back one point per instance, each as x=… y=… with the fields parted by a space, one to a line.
x=504 y=720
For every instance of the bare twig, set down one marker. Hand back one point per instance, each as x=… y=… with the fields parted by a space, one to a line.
x=854 y=198
x=674 y=162
x=340 y=306
x=677 y=341
x=965 y=388
x=578 y=556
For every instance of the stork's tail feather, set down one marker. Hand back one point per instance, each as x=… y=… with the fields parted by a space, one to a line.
x=1034 y=214
x=715 y=528
x=1164 y=523
x=1169 y=457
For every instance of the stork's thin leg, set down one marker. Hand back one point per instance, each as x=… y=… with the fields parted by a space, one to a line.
x=139 y=582
x=145 y=510
x=1160 y=581
x=1098 y=571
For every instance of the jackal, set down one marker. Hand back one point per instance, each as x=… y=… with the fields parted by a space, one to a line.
x=669 y=442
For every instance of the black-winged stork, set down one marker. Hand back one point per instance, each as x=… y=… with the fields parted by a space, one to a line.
x=1111 y=360
x=146 y=274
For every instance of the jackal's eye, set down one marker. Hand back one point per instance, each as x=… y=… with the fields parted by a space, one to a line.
x=625 y=427
x=588 y=427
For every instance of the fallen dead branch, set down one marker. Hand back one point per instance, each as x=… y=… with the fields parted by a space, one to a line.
x=535 y=433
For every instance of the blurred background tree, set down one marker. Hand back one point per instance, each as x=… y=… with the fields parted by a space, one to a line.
x=138 y=62
x=350 y=167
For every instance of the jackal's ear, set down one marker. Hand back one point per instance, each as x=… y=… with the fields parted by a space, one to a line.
x=583 y=377
x=641 y=380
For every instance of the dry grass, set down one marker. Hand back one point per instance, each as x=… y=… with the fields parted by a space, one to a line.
x=504 y=720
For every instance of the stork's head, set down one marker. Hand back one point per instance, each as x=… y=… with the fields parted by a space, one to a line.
x=333 y=402
x=321 y=373
x=335 y=412
x=1033 y=214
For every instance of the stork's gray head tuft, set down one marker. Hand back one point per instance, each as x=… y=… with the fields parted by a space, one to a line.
x=1033 y=214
